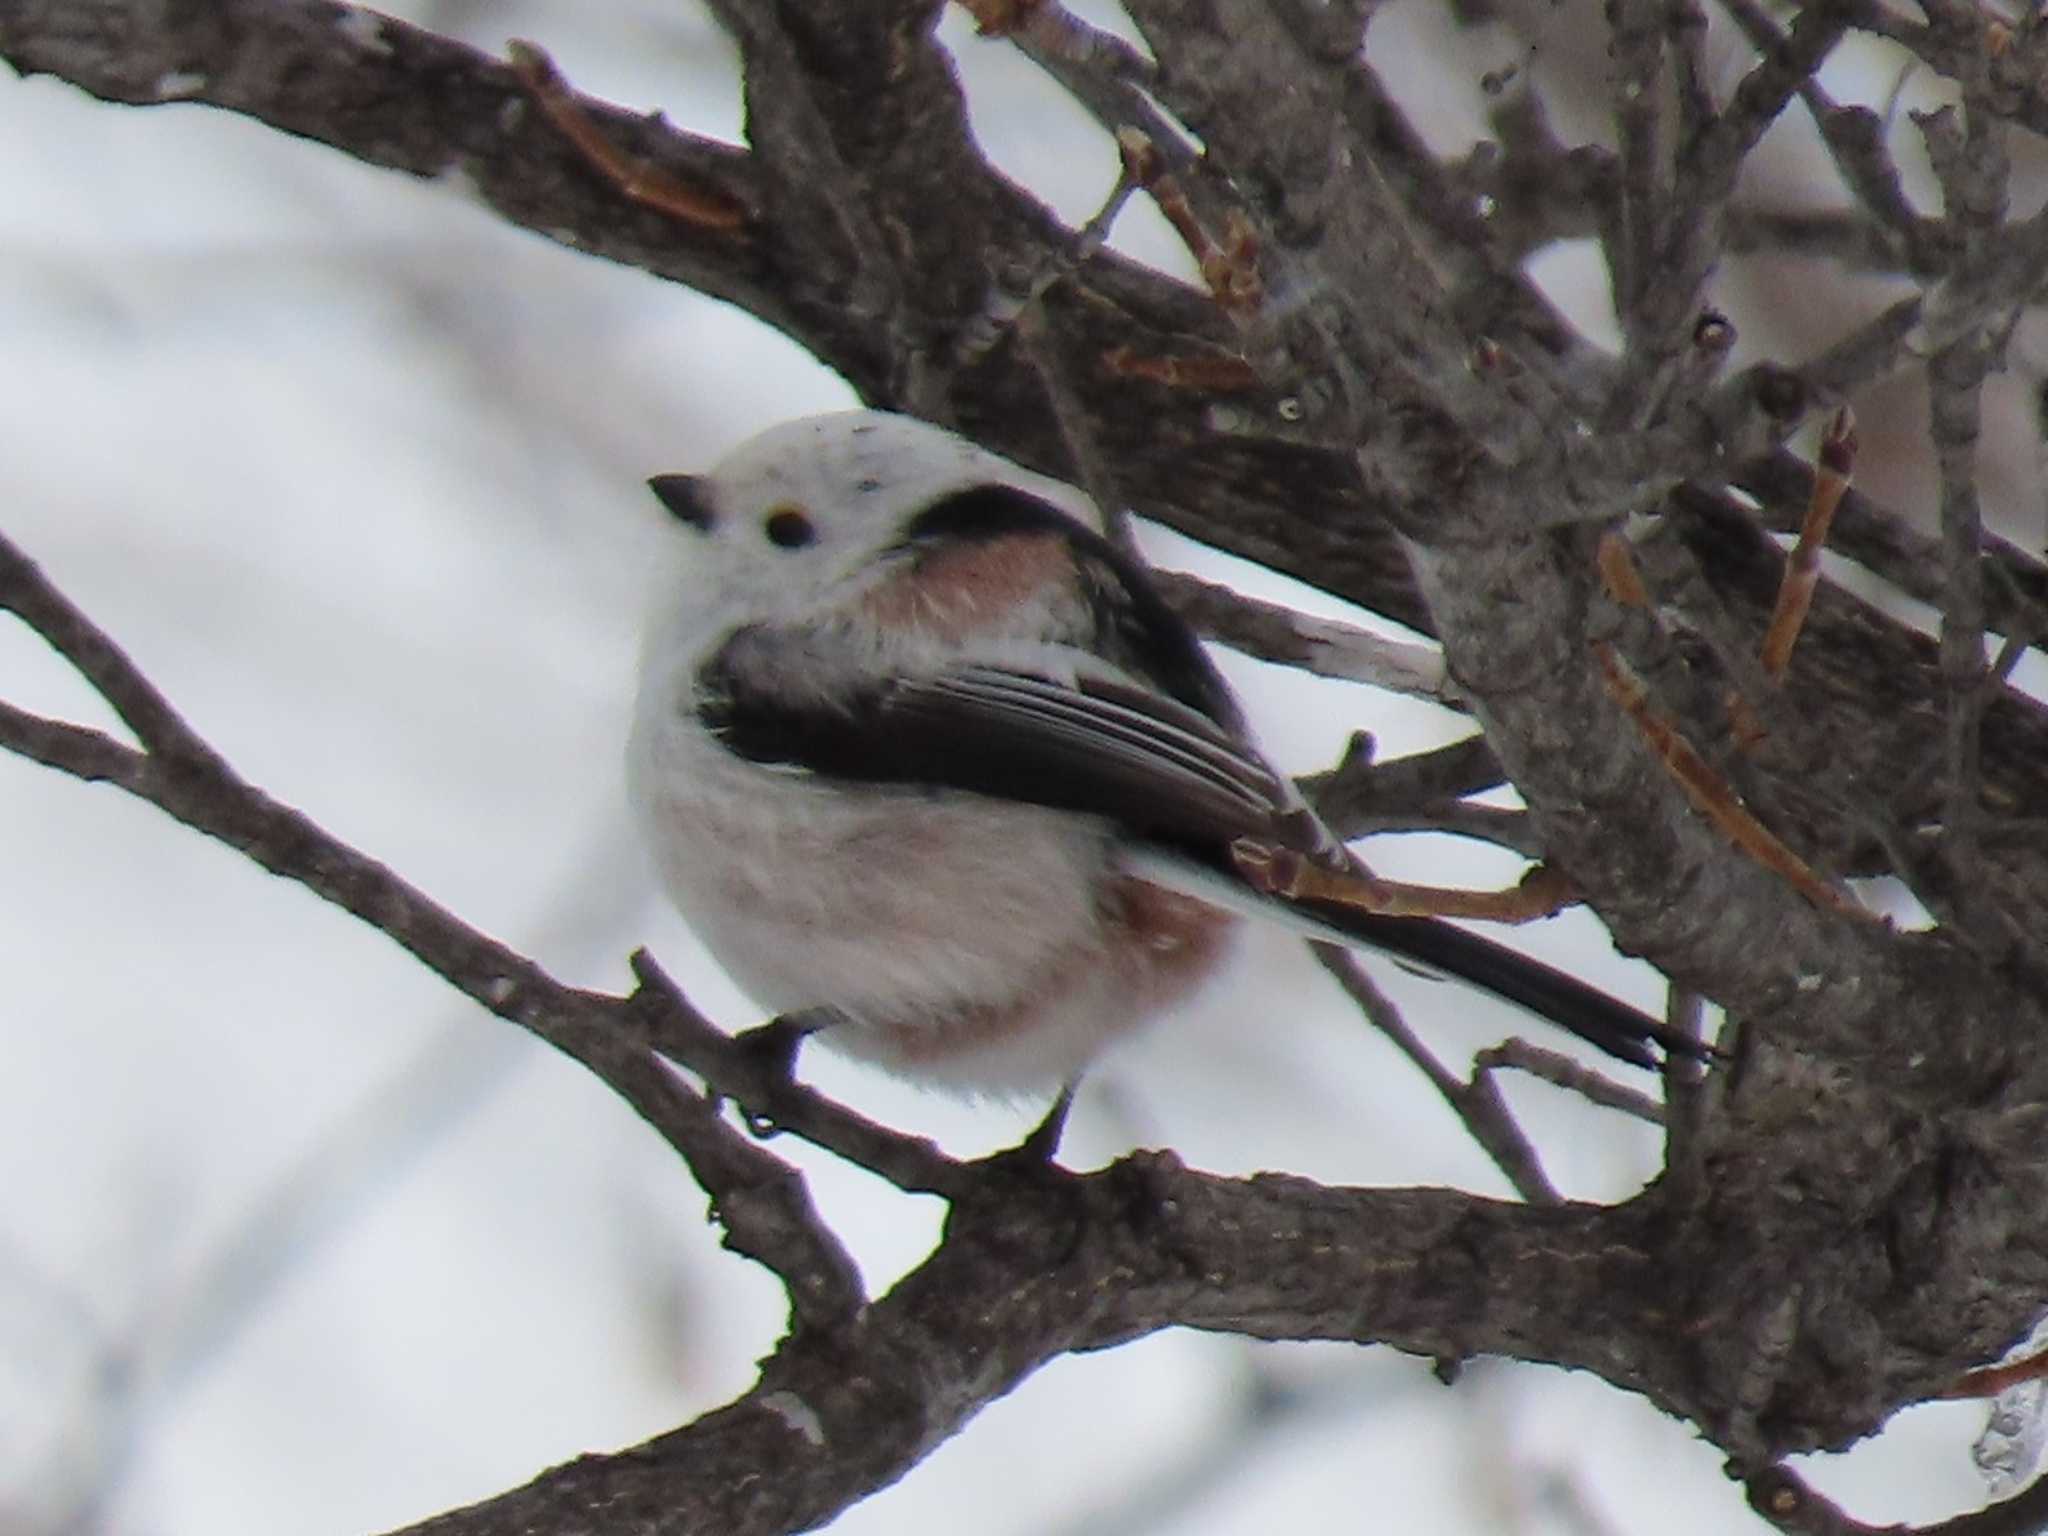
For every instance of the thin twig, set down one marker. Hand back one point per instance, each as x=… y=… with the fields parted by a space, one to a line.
x=1994 y=1379
x=1422 y=790
x=1282 y=871
x=1514 y=831
x=1324 y=647
x=1971 y=164
x=1227 y=259
x=761 y=1201
x=1685 y=240
x=1463 y=767
x=1009 y=301
x=636 y=179
x=1711 y=794
x=1477 y=1104
x=1561 y=1071
x=773 y=1102
x=1884 y=542
x=157 y=726
x=1743 y=417
x=1855 y=139
x=1836 y=463
x=1636 y=45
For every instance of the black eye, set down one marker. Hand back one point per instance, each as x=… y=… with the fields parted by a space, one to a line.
x=787 y=528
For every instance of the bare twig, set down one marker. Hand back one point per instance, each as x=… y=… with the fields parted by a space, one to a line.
x=1359 y=785
x=1855 y=138
x=761 y=1201
x=1994 y=1379
x=635 y=177
x=1885 y=542
x=158 y=727
x=1636 y=41
x=1542 y=892
x=1012 y=296
x=1711 y=795
x=1685 y=240
x=1740 y=418
x=774 y=1103
x=1514 y=831
x=1477 y=1104
x=1229 y=260
x=1272 y=632
x=1972 y=166
x=1560 y=1071
x=1423 y=791
x=1802 y=568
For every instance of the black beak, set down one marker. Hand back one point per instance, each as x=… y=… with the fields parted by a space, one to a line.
x=688 y=499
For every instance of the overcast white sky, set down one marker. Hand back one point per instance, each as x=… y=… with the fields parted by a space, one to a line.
x=291 y=1237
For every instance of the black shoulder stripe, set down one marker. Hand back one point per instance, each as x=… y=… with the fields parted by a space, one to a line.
x=992 y=511
x=1161 y=771
x=1135 y=627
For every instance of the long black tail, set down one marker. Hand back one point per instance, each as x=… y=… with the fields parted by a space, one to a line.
x=1623 y=1032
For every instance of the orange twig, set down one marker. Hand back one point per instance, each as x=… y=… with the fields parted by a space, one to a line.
x=999 y=18
x=638 y=180
x=1618 y=572
x=1231 y=267
x=1994 y=1379
x=1712 y=795
x=1802 y=570
x=1280 y=871
x=1211 y=374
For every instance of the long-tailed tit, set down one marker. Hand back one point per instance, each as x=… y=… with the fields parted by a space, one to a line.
x=916 y=746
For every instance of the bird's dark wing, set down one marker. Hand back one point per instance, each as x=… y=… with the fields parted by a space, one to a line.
x=1100 y=746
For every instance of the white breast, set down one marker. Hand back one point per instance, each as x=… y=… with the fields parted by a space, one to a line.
x=864 y=898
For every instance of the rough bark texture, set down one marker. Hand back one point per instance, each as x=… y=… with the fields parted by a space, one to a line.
x=1852 y=1221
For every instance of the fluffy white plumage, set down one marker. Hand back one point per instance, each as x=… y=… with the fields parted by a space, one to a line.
x=961 y=937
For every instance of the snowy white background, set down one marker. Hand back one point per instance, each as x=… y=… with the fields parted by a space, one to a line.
x=292 y=1238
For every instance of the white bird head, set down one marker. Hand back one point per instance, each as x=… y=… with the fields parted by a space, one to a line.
x=808 y=509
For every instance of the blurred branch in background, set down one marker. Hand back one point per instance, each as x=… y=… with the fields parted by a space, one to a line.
x=171 y=1340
